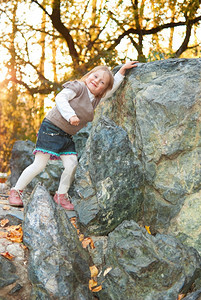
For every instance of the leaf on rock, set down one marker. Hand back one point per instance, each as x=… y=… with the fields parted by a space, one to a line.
x=94 y=271
x=15 y=234
x=97 y=289
x=23 y=247
x=88 y=241
x=85 y=241
x=148 y=229
x=92 y=283
x=92 y=244
x=107 y=271
x=7 y=255
x=180 y=296
x=73 y=222
x=6 y=207
x=3 y=234
x=4 y=222
x=81 y=237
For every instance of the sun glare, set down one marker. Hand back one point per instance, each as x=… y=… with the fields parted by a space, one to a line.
x=3 y=73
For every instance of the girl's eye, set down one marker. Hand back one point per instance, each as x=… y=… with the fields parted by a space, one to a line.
x=95 y=76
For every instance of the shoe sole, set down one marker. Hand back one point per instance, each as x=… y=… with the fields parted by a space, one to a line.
x=16 y=205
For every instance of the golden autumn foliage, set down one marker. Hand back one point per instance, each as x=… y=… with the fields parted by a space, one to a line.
x=62 y=40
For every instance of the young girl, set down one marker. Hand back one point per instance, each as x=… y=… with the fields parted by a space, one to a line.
x=75 y=106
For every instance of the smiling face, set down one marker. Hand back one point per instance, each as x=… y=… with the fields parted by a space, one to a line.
x=97 y=82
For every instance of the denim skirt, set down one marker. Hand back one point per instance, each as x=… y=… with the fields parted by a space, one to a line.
x=54 y=141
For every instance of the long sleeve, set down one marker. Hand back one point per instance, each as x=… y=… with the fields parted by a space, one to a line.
x=62 y=102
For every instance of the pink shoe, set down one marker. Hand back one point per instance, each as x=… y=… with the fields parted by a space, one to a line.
x=63 y=200
x=15 y=197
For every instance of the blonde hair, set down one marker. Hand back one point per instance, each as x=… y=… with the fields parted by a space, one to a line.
x=111 y=78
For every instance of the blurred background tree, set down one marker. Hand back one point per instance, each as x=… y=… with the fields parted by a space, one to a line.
x=45 y=43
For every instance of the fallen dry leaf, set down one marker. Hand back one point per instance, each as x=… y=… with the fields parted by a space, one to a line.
x=107 y=271
x=86 y=242
x=92 y=245
x=15 y=234
x=2 y=202
x=97 y=289
x=14 y=227
x=23 y=246
x=6 y=207
x=180 y=296
x=148 y=229
x=92 y=283
x=81 y=237
x=4 y=222
x=7 y=255
x=3 y=234
x=94 y=271
x=73 y=222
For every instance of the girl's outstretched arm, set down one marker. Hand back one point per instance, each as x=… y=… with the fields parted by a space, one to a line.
x=128 y=65
x=119 y=76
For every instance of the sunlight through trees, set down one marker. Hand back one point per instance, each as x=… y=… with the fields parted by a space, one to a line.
x=45 y=43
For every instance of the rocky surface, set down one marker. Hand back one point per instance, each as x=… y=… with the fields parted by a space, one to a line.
x=58 y=265
x=142 y=159
x=148 y=267
x=108 y=181
x=130 y=261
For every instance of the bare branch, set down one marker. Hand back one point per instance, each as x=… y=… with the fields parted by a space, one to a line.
x=152 y=30
x=184 y=45
x=34 y=1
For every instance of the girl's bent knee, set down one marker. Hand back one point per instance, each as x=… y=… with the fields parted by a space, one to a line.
x=69 y=161
x=74 y=160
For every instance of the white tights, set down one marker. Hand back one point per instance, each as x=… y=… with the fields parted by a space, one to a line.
x=69 y=161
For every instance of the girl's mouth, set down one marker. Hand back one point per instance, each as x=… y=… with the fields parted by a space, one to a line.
x=93 y=84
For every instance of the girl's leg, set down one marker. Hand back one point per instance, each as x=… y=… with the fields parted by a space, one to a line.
x=27 y=175
x=31 y=171
x=70 y=163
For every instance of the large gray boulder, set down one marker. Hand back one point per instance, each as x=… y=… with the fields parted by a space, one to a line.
x=58 y=265
x=142 y=159
x=108 y=181
x=148 y=267
x=130 y=260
